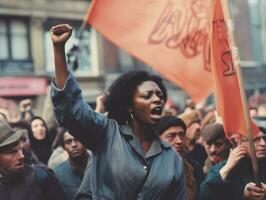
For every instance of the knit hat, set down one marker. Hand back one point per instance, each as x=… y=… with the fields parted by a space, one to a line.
x=212 y=132
x=169 y=121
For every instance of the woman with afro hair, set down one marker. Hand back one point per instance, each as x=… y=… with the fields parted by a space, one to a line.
x=129 y=159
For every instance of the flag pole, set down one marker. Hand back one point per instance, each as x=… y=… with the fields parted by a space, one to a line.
x=236 y=62
x=85 y=24
x=81 y=29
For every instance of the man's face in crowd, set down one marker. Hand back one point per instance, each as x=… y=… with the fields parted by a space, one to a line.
x=11 y=159
x=217 y=150
x=174 y=136
x=260 y=145
x=74 y=148
x=193 y=131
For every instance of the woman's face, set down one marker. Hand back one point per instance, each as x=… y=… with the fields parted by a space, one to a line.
x=148 y=103
x=38 y=129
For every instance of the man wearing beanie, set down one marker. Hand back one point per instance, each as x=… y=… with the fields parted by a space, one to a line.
x=216 y=145
x=172 y=130
x=233 y=179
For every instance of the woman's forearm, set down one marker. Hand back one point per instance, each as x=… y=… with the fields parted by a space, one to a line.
x=60 y=65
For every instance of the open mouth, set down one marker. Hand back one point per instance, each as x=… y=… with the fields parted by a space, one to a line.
x=156 y=114
x=157 y=111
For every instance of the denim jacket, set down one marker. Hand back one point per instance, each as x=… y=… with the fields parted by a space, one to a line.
x=119 y=168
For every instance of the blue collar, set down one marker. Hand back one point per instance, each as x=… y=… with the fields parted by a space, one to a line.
x=155 y=148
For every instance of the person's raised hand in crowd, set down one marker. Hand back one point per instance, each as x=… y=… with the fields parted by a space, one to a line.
x=25 y=105
x=235 y=156
x=254 y=192
x=100 y=108
x=25 y=108
x=59 y=35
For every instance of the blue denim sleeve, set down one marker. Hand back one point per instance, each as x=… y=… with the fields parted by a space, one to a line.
x=74 y=114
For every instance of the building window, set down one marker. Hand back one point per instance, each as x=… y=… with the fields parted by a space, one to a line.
x=19 y=40
x=3 y=41
x=14 y=39
x=15 y=56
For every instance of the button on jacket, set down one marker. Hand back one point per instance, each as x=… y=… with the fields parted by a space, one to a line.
x=119 y=169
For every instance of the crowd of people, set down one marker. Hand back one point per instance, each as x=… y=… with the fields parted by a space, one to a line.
x=131 y=146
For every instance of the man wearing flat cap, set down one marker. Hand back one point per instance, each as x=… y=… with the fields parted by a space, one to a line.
x=233 y=179
x=11 y=155
x=216 y=145
x=17 y=180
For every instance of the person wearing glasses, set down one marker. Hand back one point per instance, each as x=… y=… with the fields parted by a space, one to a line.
x=233 y=179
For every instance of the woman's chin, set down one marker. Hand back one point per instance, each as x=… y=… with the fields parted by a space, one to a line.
x=156 y=118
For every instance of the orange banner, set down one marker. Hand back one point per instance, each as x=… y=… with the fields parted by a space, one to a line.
x=171 y=36
x=227 y=90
